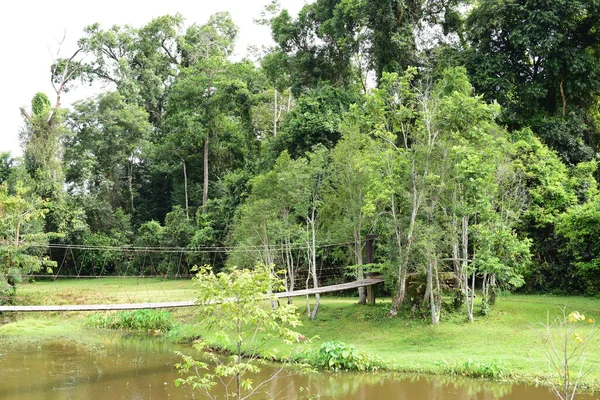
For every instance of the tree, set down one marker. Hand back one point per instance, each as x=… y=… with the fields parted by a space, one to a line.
x=269 y=220
x=22 y=237
x=233 y=308
x=344 y=43
x=211 y=102
x=345 y=196
x=577 y=230
x=313 y=179
x=538 y=60
x=442 y=161
x=41 y=138
x=550 y=189
x=284 y=211
x=144 y=62
x=315 y=120
x=103 y=153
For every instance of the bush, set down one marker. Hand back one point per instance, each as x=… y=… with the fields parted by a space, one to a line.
x=495 y=369
x=339 y=356
x=137 y=320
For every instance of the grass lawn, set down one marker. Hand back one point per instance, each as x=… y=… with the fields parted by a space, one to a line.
x=409 y=343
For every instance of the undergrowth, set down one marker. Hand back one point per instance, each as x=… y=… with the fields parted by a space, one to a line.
x=340 y=356
x=495 y=369
x=138 y=320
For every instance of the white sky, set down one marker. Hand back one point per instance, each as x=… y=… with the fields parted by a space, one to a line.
x=31 y=29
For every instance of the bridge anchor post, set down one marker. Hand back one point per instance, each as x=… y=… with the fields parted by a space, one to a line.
x=369 y=259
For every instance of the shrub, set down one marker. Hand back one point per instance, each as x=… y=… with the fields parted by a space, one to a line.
x=154 y=320
x=340 y=356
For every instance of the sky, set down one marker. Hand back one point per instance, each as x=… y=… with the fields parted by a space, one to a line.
x=32 y=32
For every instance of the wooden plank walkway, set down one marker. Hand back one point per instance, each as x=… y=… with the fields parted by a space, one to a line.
x=188 y=303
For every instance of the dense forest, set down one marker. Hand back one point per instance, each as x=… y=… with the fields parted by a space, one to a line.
x=464 y=134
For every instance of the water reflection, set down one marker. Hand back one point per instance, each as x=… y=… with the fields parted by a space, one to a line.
x=120 y=367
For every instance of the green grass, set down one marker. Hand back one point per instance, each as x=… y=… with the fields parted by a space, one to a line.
x=104 y=290
x=504 y=338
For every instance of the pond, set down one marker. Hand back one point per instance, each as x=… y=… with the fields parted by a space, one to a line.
x=117 y=367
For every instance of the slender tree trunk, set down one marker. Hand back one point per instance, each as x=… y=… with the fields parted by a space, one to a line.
x=401 y=293
x=313 y=263
x=402 y=270
x=360 y=274
x=469 y=297
x=275 y=113
x=205 y=188
x=185 y=189
x=290 y=267
x=438 y=291
x=434 y=292
x=493 y=289
x=130 y=183
x=564 y=99
x=238 y=375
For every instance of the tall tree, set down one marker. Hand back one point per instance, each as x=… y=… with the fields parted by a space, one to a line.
x=103 y=152
x=539 y=60
x=143 y=62
x=209 y=112
x=345 y=196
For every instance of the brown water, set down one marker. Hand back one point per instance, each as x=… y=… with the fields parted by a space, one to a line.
x=116 y=367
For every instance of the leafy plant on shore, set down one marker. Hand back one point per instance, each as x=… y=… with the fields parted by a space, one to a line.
x=138 y=320
x=340 y=356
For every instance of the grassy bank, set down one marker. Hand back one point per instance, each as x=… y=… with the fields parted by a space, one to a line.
x=503 y=341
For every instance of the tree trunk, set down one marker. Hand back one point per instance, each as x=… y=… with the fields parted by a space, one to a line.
x=563 y=98
x=469 y=297
x=313 y=263
x=493 y=289
x=205 y=188
x=275 y=113
x=402 y=270
x=434 y=292
x=185 y=190
x=130 y=184
x=290 y=267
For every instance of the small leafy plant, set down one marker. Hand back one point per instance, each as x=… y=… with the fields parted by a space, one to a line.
x=138 y=320
x=340 y=356
x=238 y=309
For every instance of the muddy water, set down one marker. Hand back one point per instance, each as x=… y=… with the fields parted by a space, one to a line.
x=115 y=367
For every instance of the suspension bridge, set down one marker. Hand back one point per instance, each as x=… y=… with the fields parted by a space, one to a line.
x=369 y=282
x=109 y=306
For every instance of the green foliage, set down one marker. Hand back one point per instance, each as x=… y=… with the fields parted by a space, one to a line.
x=495 y=369
x=22 y=238
x=578 y=230
x=6 y=166
x=546 y=81
x=137 y=320
x=315 y=120
x=40 y=104
x=340 y=356
x=234 y=308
